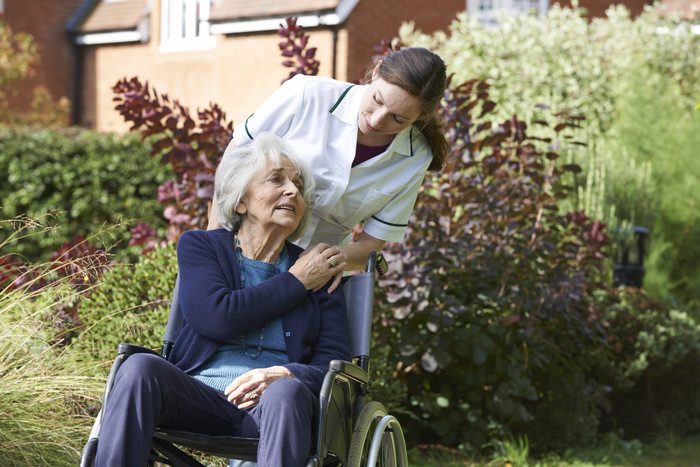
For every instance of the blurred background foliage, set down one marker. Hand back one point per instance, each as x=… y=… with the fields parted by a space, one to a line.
x=87 y=180
x=636 y=82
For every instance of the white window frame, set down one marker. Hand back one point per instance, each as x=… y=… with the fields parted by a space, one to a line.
x=184 y=25
x=487 y=10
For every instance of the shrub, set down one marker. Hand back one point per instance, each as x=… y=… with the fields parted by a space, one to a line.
x=654 y=389
x=657 y=129
x=566 y=60
x=636 y=87
x=191 y=149
x=78 y=265
x=305 y=62
x=497 y=312
x=129 y=304
x=84 y=178
x=487 y=303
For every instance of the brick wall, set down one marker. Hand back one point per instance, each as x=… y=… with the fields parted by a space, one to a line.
x=45 y=20
x=372 y=20
x=238 y=74
x=244 y=69
x=596 y=8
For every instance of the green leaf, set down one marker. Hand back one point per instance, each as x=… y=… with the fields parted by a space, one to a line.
x=443 y=402
x=479 y=355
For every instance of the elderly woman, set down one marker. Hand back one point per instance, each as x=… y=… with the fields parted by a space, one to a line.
x=256 y=339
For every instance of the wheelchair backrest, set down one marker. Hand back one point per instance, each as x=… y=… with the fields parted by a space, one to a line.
x=359 y=298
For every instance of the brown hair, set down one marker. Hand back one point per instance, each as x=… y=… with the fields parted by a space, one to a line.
x=423 y=74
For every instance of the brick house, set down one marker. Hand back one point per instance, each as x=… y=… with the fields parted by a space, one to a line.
x=223 y=51
x=201 y=51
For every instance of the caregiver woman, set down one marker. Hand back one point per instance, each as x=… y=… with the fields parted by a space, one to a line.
x=369 y=147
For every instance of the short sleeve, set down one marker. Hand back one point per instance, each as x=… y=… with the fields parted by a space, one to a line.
x=390 y=222
x=277 y=114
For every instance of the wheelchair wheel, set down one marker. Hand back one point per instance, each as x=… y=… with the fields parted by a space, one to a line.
x=377 y=439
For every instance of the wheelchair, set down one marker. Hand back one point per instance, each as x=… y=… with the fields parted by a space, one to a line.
x=350 y=431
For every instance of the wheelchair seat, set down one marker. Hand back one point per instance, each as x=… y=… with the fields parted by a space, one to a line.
x=349 y=431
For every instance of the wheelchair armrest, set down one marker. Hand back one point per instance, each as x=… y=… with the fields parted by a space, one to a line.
x=349 y=370
x=130 y=349
x=87 y=458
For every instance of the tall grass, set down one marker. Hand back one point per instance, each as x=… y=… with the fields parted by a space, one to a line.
x=43 y=404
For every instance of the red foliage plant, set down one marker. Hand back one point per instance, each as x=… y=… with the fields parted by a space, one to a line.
x=192 y=149
x=78 y=263
x=491 y=285
x=295 y=46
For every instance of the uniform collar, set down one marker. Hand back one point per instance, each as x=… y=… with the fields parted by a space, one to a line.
x=403 y=142
x=347 y=106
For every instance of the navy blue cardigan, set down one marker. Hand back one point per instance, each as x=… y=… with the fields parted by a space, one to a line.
x=216 y=309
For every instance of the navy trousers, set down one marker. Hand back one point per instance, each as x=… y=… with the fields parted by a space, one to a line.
x=149 y=391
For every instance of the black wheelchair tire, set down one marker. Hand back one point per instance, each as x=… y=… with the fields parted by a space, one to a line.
x=362 y=435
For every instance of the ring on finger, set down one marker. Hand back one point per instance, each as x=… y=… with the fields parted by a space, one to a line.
x=254 y=395
x=333 y=263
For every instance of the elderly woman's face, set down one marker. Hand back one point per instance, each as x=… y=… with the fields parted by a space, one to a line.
x=274 y=198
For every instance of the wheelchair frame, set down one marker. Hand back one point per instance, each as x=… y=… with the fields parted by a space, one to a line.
x=350 y=432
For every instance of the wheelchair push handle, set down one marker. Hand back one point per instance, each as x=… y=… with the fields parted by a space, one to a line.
x=377 y=262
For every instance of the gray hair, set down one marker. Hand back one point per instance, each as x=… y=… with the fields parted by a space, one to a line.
x=239 y=165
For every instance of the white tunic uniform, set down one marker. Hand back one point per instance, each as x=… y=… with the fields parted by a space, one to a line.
x=318 y=117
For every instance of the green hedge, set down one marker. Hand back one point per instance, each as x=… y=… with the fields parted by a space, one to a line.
x=89 y=179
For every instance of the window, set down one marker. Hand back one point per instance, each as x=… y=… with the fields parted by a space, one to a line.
x=185 y=25
x=487 y=10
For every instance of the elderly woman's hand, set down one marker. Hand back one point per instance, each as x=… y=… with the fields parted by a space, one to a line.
x=317 y=265
x=245 y=391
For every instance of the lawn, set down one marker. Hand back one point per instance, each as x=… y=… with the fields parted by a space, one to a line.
x=669 y=451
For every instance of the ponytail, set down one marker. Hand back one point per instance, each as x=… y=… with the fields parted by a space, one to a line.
x=433 y=129
x=423 y=74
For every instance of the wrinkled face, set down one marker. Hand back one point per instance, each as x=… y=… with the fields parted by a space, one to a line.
x=386 y=109
x=274 y=198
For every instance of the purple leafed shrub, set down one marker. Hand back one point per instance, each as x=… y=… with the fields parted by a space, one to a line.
x=487 y=305
x=192 y=149
x=294 y=48
x=77 y=264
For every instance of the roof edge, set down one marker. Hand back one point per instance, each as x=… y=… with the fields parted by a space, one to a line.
x=322 y=18
x=140 y=33
x=79 y=15
x=109 y=37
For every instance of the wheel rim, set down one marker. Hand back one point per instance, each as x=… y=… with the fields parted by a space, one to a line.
x=377 y=439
